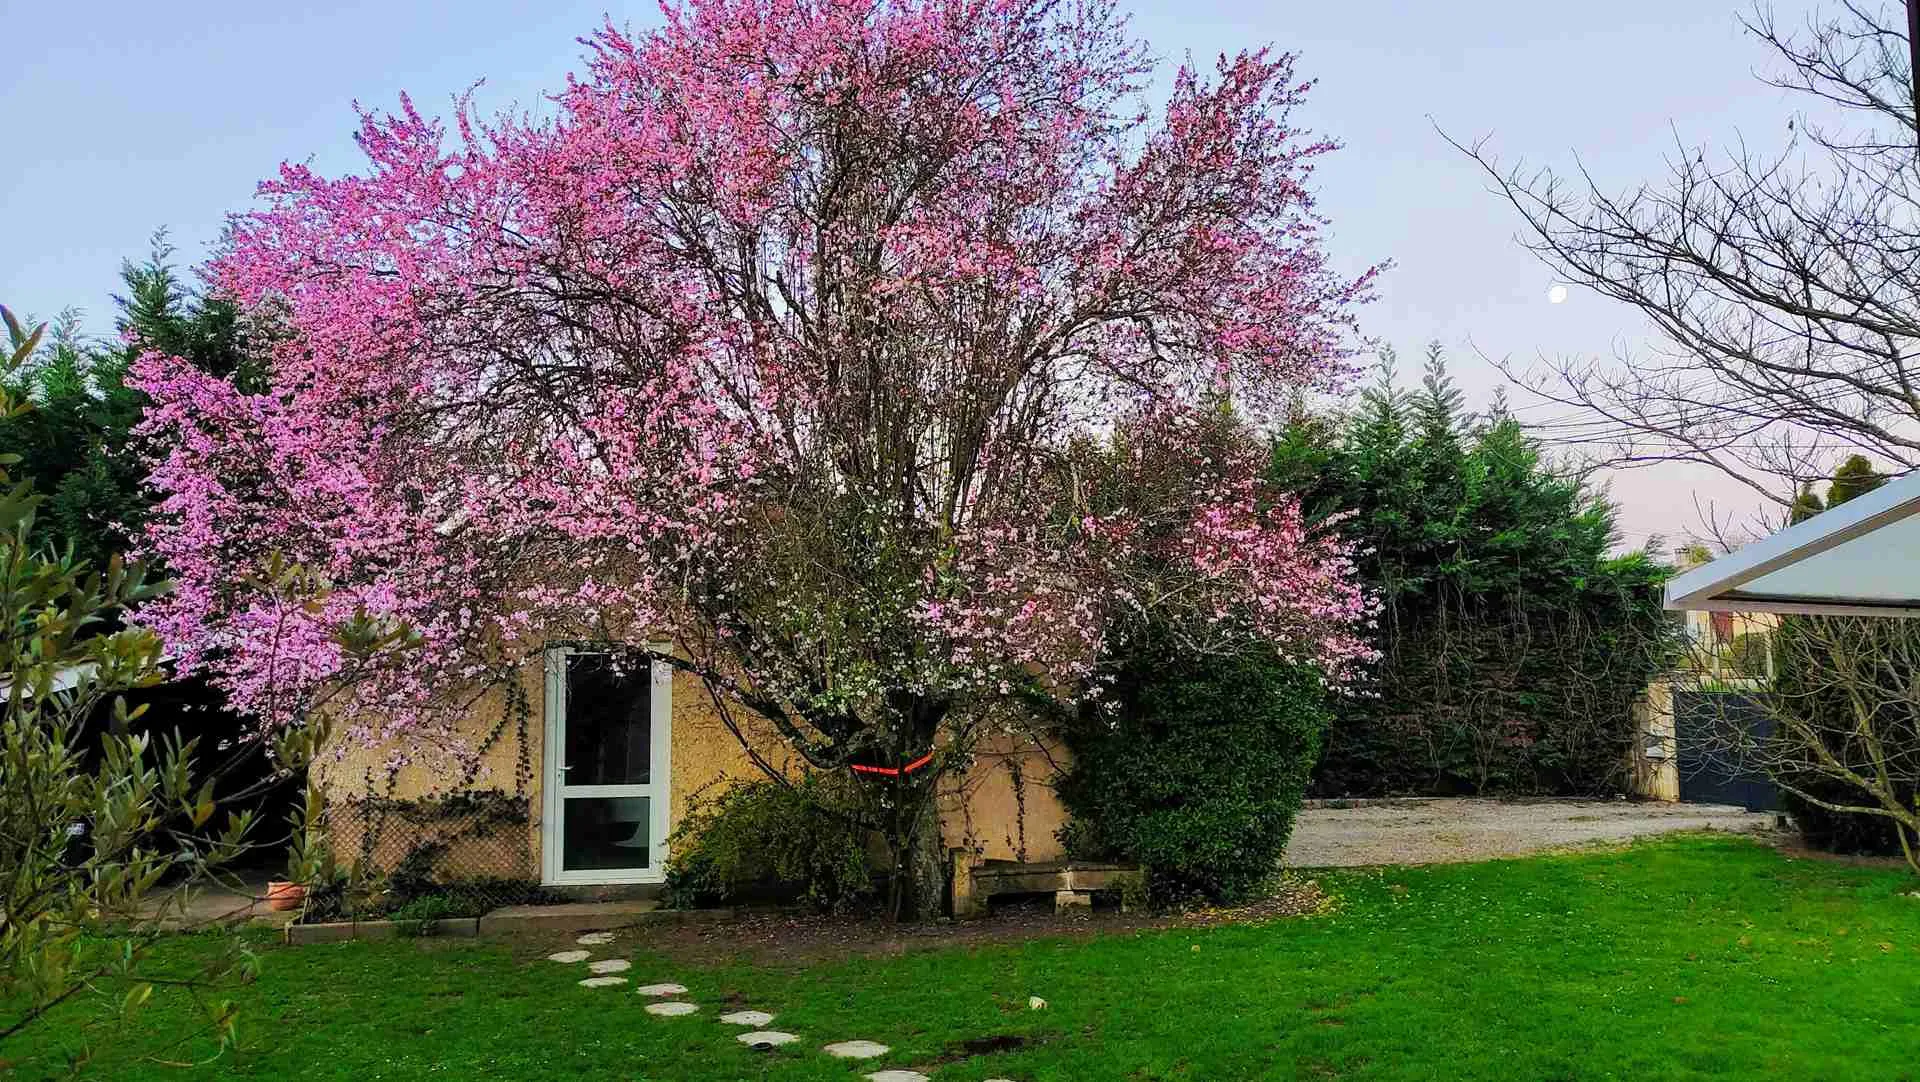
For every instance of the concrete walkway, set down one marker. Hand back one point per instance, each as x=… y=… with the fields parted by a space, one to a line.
x=1451 y=830
x=230 y=899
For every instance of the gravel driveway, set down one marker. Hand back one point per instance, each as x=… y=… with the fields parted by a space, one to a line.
x=1442 y=831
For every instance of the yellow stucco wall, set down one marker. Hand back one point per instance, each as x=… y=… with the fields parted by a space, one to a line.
x=1003 y=808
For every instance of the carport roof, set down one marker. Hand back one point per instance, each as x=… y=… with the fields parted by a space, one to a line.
x=1860 y=558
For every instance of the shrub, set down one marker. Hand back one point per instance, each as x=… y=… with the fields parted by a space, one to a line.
x=770 y=841
x=1846 y=731
x=1846 y=720
x=1196 y=771
x=416 y=918
x=1840 y=832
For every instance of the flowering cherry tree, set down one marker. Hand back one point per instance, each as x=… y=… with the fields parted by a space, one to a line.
x=876 y=353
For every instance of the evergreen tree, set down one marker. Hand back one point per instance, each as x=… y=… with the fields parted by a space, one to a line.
x=1439 y=407
x=1498 y=409
x=1513 y=640
x=1806 y=504
x=158 y=312
x=1854 y=477
x=74 y=444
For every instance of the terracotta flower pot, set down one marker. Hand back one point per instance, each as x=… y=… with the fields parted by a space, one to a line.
x=283 y=895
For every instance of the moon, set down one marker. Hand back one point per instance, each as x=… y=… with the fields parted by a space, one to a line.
x=1556 y=294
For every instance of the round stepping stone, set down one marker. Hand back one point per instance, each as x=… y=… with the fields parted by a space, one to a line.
x=595 y=939
x=672 y=1008
x=898 y=1076
x=855 y=1049
x=661 y=989
x=747 y=1018
x=602 y=982
x=766 y=1038
x=570 y=957
x=610 y=965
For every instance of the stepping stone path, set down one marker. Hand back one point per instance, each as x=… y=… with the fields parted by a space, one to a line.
x=855 y=1049
x=759 y=1039
x=768 y=1038
x=595 y=939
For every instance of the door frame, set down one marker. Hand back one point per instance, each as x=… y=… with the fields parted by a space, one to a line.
x=660 y=768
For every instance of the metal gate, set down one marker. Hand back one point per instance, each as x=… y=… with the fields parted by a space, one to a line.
x=1707 y=760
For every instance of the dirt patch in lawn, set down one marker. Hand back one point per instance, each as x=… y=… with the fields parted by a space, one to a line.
x=997 y=1045
x=784 y=938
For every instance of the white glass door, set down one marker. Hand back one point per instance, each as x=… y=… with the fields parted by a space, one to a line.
x=607 y=743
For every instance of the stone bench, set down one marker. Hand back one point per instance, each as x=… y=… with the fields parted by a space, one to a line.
x=1071 y=882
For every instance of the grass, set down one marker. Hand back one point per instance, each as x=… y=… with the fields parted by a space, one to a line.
x=1685 y=958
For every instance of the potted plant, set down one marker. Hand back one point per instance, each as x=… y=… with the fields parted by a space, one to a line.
x=285 y=894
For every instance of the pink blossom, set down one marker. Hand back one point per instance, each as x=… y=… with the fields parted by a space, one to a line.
x=782 y=343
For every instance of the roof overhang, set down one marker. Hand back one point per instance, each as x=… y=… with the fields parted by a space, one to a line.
x=1861 y=558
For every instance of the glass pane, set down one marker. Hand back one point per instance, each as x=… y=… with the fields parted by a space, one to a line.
x=609 y=722
x=601 y=832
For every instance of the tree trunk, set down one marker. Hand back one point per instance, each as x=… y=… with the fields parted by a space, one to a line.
x=918 y=884
x=926 y=871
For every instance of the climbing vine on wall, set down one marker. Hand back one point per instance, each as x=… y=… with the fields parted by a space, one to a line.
x=460 y=822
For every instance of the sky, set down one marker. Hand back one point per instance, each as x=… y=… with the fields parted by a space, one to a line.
x=127 y=117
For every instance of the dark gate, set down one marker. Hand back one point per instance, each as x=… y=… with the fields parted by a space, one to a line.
x=1710 y=771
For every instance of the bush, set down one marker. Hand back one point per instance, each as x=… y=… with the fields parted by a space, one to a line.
x=1828 y=672
x=768 y=841
x=416 y=918
x=1840 y=832
x=1197 y=771
x=1844 y=694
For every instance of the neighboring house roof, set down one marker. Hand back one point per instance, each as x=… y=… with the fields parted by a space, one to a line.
x=1860 y=558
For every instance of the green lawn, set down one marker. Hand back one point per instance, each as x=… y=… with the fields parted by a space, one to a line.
x=1698 y=957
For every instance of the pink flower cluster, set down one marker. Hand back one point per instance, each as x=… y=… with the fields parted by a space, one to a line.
x=782 y=342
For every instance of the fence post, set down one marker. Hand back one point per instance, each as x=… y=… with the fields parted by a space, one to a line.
x=1656 y=767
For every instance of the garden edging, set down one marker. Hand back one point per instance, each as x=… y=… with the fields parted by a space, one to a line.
x=509 y=920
